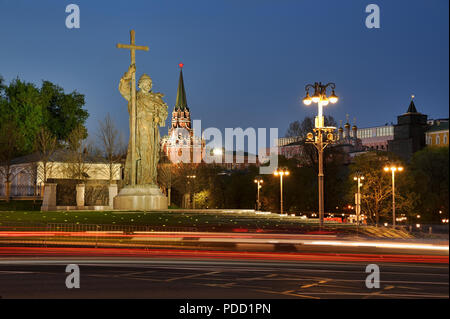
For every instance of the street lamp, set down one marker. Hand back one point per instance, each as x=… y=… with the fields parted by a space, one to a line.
x=393 y=169
x=358 y=178
x=322 y=135
x=281 y=172
x=193 y=180
x=259 y=181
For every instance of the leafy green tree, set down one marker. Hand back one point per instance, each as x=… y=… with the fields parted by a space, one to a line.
x=10 y=141
x=299 y=188
x=429 y=168
x=32 y=108
x=2 y=86
x=23 y=105
x=64 y=112
x=201 y=199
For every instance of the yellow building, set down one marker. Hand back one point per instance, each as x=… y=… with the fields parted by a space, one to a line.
x=437 y=134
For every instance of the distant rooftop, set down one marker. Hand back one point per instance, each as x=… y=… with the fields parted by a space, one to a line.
x=438 y=126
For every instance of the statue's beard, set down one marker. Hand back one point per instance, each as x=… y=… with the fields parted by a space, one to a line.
x=145 y=91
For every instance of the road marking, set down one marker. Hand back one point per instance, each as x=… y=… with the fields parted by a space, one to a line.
x=315 y=284
x=193 y=276
x=134 y=273
x=286 y=294
x=378 y=293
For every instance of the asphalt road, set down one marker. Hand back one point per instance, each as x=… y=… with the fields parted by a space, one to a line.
x=121 y=277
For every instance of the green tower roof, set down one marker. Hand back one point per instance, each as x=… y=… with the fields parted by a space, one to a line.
x=181 y=103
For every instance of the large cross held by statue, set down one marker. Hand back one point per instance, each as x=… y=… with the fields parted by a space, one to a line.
x=133 y=47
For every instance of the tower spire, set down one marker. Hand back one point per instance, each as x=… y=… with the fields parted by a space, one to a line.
x=181 y=103
x=412 y=106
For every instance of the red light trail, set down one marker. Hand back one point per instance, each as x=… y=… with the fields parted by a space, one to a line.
x=208 y=254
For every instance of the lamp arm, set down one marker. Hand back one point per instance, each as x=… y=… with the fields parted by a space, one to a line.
x=331 y=85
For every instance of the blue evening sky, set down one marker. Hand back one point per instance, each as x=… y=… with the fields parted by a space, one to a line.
x=246 y=61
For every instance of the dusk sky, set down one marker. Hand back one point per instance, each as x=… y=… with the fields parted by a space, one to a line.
x=246 y=63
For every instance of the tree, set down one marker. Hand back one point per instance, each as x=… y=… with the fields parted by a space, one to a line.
x=22 y=105
x=112 y=146
x=2 y=87
x=64 y=112
x=165 y=178
x=201 y=199
x=10 y=142
x=78 y=155
x=32 y=108
x=429 y=168
x=299 y=188
x=376 y=192
x=183 y=180
x=309 y=154
x=45 y=145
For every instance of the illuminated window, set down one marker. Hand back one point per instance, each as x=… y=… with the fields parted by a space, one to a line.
x=438 y=140
x=445 y=138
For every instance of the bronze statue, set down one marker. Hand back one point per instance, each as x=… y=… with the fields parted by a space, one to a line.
x=151 y=112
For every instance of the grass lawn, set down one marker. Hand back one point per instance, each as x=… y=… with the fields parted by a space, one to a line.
x=202 y=221
x=163 y=219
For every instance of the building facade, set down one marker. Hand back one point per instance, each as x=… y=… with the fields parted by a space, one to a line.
x=376 y=138
x=437 y=133
x=27 y=175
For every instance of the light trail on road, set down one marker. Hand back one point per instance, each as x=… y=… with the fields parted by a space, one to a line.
x=37 y=252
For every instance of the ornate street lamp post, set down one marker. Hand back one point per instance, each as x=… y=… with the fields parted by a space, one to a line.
x=393 y=169
x=281 y=172
x=258 y=181
x=322 y=135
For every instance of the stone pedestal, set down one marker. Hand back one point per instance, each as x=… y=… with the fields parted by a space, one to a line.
x=140 y=197
x=80 y=194
x=112 y=194
x=49 y=200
